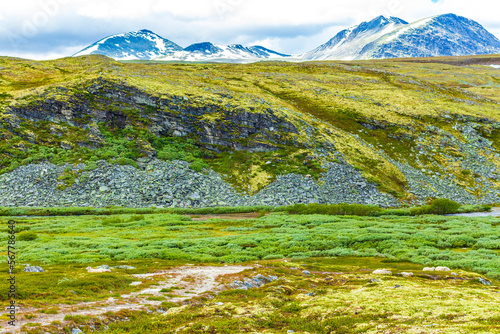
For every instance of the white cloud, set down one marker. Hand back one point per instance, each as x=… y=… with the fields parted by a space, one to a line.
x=287 y=26
x=113 y=9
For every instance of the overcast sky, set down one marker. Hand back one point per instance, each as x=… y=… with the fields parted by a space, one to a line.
x=47 y=29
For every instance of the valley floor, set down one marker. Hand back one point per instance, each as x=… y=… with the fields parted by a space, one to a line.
x=306 y=274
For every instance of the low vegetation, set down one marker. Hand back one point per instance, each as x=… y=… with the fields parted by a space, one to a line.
x=340 y=252
x=438 y=206
x=422 y=239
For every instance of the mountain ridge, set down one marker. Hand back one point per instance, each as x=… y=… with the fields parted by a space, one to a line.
x=382 y=37
x=440 y=35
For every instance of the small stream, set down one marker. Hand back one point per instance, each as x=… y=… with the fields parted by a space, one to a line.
x=495 y=212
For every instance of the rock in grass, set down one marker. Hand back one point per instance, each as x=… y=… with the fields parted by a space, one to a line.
x=405 y=274
x=76 y=331
x=443 y=269
x=104 y=266
x=305 y=272
x=429 y=269
x=382 y=272
x=483 y=281
x=375 y=280
x=33 y=269
x=253 y=283
x=123 y=267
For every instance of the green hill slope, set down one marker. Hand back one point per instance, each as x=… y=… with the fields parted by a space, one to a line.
x=412 y=128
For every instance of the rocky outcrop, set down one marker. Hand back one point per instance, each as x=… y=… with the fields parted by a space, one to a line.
x=119 y=105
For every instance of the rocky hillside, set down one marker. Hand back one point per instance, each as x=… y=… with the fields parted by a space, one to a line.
x=90 y=131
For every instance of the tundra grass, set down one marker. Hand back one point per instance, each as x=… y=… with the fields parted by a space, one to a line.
x=339 y=251
x=426 y=240
x=340 y=296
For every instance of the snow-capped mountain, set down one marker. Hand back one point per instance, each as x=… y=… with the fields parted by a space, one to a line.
x=142 y=44
x=146 y=45
x=383 y=37
x=443 y=35
x=222 y=53
x=349 y=43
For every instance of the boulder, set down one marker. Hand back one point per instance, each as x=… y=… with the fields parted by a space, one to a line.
x=104 y=266
x=429 y=269
x=382 y=272
x=443 y=269
x=33 y=269
x=484 y=282
x=405 y=274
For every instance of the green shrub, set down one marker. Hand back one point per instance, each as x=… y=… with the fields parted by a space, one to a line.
x=27 y=236
x=198 y=165
x=443 y=206
x=127 y=161
x=334 y=209
x=422 y=210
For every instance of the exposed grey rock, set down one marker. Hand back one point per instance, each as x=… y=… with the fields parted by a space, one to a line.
x=104 y=266
x=253 y=283
x=33 y=269
x=484 y=282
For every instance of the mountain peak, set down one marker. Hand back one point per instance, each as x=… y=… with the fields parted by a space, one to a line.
x=389 y=37
x=204 y=47
x=382 y=19
x=146 y=31
x=349 y=42
x=142 y=44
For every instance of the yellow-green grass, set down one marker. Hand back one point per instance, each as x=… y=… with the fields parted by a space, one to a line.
x=343 y=300
x=402 y=98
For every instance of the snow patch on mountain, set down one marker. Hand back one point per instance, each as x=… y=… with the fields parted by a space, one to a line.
x=348 y=43
x=206 y=51
x=401 y=31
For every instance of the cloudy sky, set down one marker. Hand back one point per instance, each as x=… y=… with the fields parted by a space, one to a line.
x=46 y=29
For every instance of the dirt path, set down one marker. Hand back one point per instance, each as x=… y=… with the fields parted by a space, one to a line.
x=190 y=281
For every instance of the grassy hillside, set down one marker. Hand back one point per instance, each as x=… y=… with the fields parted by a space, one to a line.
x=440 y=117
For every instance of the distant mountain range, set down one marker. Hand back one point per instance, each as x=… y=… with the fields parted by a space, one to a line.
x=382 y=37
x=146 y=45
